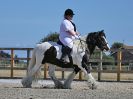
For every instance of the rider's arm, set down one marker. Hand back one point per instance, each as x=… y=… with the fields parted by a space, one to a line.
x=75 y=34
x=68 y=28
x=72 y=32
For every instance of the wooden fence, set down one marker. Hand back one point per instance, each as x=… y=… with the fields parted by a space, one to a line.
x=99 y=71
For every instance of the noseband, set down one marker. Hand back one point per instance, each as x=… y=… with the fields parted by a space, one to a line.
x=101 y=42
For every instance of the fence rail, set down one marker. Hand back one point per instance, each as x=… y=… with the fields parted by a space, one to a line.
x=11 y=67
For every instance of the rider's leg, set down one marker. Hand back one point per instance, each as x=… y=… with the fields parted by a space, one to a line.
x=64 y=54
x=67 y=51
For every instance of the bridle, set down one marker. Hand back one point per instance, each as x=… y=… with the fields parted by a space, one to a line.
x=101 y=42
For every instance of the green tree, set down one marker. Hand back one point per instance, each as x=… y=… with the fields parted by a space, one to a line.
x=50 y=37
x=4 y=54
x=108 y=60
x=7 y=55
x=116 y=45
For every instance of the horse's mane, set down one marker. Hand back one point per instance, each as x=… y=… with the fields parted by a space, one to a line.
x=80 y=44
x=92 y=35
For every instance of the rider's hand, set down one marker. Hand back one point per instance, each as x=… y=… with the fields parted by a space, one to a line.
x=77 y=33
x=77 y=37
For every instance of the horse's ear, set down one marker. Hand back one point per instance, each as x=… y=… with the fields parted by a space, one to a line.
x=102 y=31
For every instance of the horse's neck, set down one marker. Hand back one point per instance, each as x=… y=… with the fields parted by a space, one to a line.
x=82 y=46
x=91 y=49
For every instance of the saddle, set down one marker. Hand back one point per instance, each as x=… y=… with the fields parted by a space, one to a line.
x=60 y=43
x=66 y=51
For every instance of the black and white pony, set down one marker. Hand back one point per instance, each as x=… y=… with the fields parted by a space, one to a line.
x=50 y=52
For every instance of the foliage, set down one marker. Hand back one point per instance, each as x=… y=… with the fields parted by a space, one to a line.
x=116 y=45
x=50 y=37
x=7 y=55
x=4 y=54
x=107 y=59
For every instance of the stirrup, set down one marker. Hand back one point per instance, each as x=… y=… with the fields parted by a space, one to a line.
x=64 y=61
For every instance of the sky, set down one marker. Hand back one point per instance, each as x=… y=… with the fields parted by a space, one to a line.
x=23 y=23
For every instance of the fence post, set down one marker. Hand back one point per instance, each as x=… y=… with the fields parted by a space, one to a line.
x=28 y=57
x=100 y=66
x=12 y=62
x=119 y=57
x=63 y=74
x=80 y=75
x=45 y=70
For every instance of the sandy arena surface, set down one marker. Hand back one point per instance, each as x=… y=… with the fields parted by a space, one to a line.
x=44 y=89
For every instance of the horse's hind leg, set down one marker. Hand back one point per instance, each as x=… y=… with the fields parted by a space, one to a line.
x=33 y=72
x=51 y=72
x=27 y=81
x=32 y=62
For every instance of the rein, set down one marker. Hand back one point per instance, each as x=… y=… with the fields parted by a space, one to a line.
x=81 y=42
x=82 y=46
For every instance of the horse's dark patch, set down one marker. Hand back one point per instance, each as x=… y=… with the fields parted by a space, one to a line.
x=76 y=69
x=85 y=61
x=50 y=54
x=60 y=63
x=50 y=57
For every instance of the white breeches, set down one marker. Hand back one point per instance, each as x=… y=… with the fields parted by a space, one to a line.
x=67 y=42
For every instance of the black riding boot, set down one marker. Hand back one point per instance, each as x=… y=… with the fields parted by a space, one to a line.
x=66 y=51
x=64 y=54
x=70 y=59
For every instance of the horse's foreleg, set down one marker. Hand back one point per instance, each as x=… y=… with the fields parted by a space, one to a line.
x=51 y=72
x=68 y=81
x=92 y=83
x=90 y=79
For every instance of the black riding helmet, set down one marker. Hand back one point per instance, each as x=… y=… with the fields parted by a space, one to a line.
x=69 y=12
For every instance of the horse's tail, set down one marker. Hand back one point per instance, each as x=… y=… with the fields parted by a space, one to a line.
x=32 y=61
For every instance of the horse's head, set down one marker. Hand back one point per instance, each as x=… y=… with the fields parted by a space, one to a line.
x=97 y=39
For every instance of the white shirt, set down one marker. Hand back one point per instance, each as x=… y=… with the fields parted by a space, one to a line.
x=65 y=37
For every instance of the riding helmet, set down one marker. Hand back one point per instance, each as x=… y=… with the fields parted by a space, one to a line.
x=69 y=12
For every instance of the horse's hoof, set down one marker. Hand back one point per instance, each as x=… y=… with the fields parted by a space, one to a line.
x=67 y=87
x=59 y=85
x=26 y=83
x=92 y=85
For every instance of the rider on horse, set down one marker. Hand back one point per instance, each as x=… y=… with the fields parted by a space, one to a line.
x=67 y=34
